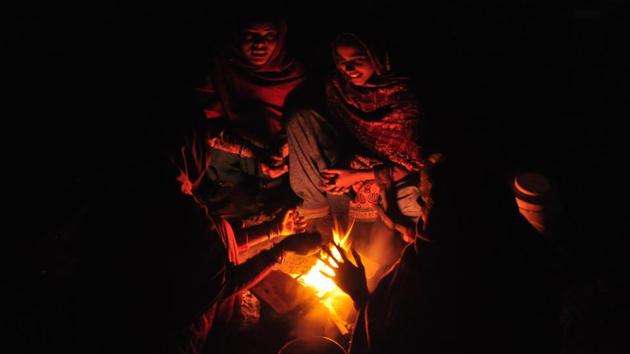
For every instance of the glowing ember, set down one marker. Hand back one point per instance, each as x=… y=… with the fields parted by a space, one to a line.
x=326 y=290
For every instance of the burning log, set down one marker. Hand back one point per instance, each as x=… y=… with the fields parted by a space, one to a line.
x=299 y=282
x=334 y=299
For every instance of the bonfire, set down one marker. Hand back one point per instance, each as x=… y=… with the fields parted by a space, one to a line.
x=328 y=293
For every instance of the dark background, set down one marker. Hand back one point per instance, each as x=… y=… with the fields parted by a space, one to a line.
x=94 y=90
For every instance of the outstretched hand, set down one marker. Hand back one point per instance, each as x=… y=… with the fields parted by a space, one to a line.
x=338 y=181
x=291 y=222
x=349 y=277
x=302 y=244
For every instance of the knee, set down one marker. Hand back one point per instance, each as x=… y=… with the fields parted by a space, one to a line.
x=300 y=119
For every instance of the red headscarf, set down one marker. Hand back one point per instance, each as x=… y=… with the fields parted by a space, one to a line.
x=383 y=114
x=261 y=89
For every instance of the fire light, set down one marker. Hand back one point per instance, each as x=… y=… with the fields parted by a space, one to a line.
x=325 y=289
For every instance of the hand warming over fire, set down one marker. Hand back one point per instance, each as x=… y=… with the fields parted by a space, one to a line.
x=291 y=223
x=348 y=277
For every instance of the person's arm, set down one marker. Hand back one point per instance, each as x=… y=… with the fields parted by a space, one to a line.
x=257 y=234
x=344 y=178
x=339 y=180
x=289 y=222
x=244 y=276
x=349 y=277
x=336 y=178
x=370 y=315
x=361 y=337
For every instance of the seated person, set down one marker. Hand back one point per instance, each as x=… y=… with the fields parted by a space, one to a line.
x=373 y=119
x=243 y=102
x=158 y=271
x=215 y=305
x=220 y=311
x=472 y=281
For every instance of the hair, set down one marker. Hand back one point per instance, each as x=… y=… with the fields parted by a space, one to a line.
x=347 y=39
x=370 y=44
x=249 y=19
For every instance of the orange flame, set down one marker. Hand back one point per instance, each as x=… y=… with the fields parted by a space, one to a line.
x=326 y=290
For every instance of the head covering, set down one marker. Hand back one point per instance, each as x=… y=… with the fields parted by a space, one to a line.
x=263 y=89
x=382 y=114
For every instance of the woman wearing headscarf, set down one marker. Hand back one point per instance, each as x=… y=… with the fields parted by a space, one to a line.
x=244 y=100
x=375 y=110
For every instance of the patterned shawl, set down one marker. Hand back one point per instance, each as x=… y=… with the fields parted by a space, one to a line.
x=382 y=115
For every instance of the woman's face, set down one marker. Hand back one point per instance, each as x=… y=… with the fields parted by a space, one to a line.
x=354 y=64
x=258 y=41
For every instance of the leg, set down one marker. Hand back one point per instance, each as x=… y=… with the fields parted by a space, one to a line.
x=312 y=147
